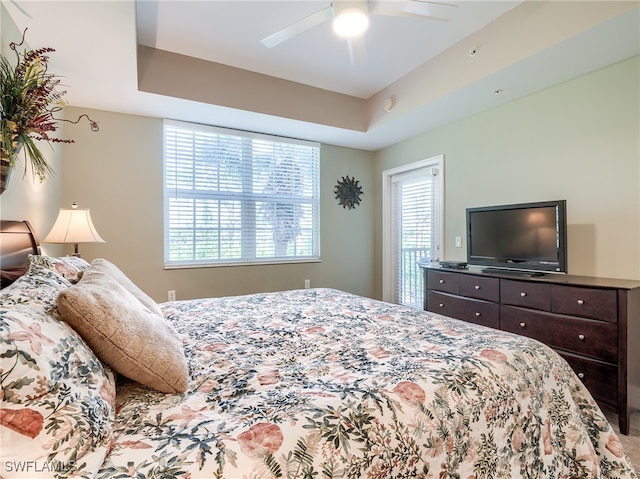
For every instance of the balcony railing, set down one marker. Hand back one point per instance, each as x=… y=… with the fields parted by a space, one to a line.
x=411 y=290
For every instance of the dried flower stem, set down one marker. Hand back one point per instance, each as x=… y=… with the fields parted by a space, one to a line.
x=28 y=104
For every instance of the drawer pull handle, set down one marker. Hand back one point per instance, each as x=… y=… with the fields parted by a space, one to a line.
x=477 y=286
x=581 y=375
x=523 y=294
x=580 y=302
x=581 y=337
x=523 y=324
x=441 y=305
x=442 y=281
x=478 y=315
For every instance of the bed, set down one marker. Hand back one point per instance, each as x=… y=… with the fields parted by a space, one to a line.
x=313 y=383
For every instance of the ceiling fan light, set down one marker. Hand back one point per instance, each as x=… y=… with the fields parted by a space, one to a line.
x=350 y=22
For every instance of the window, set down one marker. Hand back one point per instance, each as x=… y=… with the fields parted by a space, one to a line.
x=412 y=225
x=234 y=197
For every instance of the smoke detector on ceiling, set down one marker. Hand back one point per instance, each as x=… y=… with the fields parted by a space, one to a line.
x=388 y=104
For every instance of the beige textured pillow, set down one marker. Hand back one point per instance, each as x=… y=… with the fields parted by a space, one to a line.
x=105 y=266
x=123 y=333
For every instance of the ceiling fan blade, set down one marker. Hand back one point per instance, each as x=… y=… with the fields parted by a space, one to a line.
x=297 y=27
x=443 y=4
x=413 y=8
x=428 y=9
x=402 y=13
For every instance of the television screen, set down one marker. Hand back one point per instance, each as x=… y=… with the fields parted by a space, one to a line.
x=522 y=237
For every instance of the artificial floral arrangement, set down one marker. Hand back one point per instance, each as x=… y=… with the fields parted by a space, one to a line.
x=29 y=102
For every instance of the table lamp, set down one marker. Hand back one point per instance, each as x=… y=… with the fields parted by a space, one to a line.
x=73 y=225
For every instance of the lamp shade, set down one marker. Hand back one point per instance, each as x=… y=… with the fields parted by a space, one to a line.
x=73 y=225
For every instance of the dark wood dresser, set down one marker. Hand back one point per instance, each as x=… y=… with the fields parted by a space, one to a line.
x=593 y=323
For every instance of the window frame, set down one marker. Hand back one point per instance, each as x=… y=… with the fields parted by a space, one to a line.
x=249 y=223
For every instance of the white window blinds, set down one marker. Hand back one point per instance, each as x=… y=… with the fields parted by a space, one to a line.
x=234 y=197
x=416 y=230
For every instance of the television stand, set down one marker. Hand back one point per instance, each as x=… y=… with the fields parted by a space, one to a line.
x=513 y=272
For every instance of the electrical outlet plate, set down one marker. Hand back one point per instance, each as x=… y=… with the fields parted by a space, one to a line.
x=171 y=295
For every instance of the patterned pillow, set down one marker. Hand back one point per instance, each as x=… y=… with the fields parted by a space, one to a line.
x=38 y=288
x=57 y=408
x=69 y=267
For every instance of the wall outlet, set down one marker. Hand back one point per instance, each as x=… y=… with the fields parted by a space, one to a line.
x=171 y=295
x=458 y=241
x=307 y=283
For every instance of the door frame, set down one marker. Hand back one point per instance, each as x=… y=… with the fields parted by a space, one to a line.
x=387 y=230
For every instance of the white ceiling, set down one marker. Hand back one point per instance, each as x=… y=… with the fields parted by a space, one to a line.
x=229 y=32
x=424 y=64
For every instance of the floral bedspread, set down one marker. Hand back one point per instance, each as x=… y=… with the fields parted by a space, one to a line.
x=319 y=383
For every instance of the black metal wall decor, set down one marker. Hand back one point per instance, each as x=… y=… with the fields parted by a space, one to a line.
x=348 y=192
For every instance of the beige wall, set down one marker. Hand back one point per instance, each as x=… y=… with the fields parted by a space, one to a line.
x=117 y=173
x=577 y=141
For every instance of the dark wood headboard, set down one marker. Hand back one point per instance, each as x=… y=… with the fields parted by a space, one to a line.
x=17 y=242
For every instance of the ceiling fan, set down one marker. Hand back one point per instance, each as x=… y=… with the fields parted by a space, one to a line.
x=351 y=17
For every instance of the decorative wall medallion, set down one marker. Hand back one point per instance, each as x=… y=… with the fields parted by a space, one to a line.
x=348 y=192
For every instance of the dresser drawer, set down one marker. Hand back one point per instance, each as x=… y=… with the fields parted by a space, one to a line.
x=601 y=379
x=586 y=302
x=595 y=339
x=594 y=323
x=441 y=281
x=527 y=295
x=480 y=288
x=469 y=310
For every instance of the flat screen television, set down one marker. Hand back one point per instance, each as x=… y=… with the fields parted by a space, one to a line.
x=527 y=237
